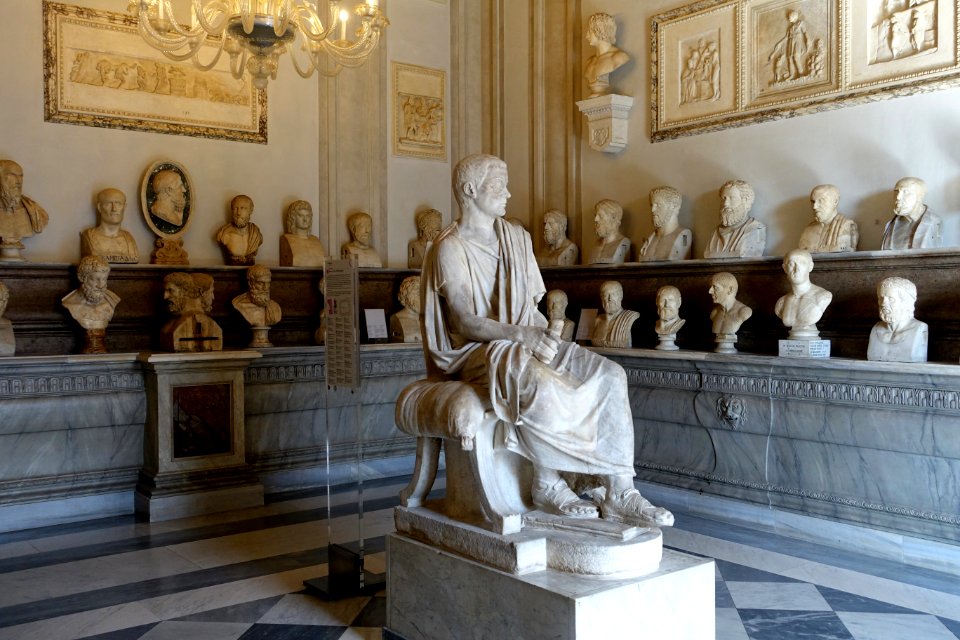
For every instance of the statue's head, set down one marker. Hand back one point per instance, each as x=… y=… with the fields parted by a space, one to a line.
x=825 y=198
x=241 y=208
x=608 y=214
x=556 y=304
x=897 y=299
x=179 y=288
x=668 y=303
x=298 y=218
x=798 y=264
x=203 y=284
x=736 y=197
x=428 y=223
x=111 y=204
x=723 y=288
x=664 y=205
x=409 y=295
x=611 y=295
x=360 y=225
x=482 y=179
x=554 y=227
x=258 y=281
x=92 y=272
x=910 y=193
x=169 y=187
x=11 y=181
x=601 y=27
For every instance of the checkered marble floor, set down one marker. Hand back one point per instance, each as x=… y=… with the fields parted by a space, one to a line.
x=240 y=575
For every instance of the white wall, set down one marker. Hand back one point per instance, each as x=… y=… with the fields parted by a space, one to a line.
x=862 y=149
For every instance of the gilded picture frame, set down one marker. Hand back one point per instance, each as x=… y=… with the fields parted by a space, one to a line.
x=419 y=112
x=794 y=57
x=99 y=72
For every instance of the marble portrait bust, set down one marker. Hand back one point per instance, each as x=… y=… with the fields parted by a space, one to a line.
x=669 y=241
x=739 y=235
x=728 y=313
x=669 y=321
x=240 y=239
x=491 y=341
x=602 y=36
x=557 y=314
x=8 y=343
x=913 y=225
x=170 y=202
x=612 y=247
x=20 y=217
x=613 y=327
x=298 y=247
x=898 y=337
x=558 y=250
x=108 y=239
x=831 y=231
x=405 y=324
x=360 y=225
x=189 y=299
x=256 y=307
x=429 y=223
x=802 y=308
x=92 y=305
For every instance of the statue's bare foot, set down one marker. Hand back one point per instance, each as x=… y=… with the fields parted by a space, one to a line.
x=559 y=499
x=630 y=507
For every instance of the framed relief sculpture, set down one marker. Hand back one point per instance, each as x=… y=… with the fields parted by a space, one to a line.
x=419 y=112
x=722 y=63
x=99 y=72
x=166 y=199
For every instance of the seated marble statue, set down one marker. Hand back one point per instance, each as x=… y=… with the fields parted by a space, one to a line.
x=558 y=250
x=8 y=342
x=255 y=305
x=728 y=312
x=429 y=222
x=360 y=225
x=612 y=247
x=107 y=239
x=898 y=337
x=405 y=324
x=188 y=298
x=563 y=407
x=668 y=312
x=669 y=241
x=20 y=217
x=557 y=314
x=612 y=327
x=831 y=231
x=739 y=235
x=298 y=247
x=913 y=225
x=602 y=34
x=92 y=305
x=240 y=239
x=801 y=309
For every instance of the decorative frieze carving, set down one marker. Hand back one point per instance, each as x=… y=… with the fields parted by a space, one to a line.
x=54 y=385
x=662 y=378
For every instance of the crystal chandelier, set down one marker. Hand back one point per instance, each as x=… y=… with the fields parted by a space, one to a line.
x=257 y=32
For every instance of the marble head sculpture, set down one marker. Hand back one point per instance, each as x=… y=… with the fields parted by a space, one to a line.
x=298 y=247
x=830 y=231
x=668 y=311
x=613 y=327
x=171 y=197
x=405 y=324
x=738 y=235
x=20 y=217
x=8 y=344
x=612 y=247
x=360 y=225
x=256 y=307
x=240 y=239
x=428 y=222
x=92 y=305
x=557 y=313
x=728 y=313
x=898 y=337
x=914 y=225
x=602 y=36
x=189 y=297
x=557 y=250
x=108 y=239
x=482 y=327
x=669 y=241
x=801 y=309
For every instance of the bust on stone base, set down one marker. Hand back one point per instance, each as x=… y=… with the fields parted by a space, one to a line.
x=256 y=307
x=298 y=247
x=107 y=239
x=898 y=337
x=92 y=305
x=405 y=324
x=728 y=312
x=613 y=327
x=240 y=239
x=190 y=297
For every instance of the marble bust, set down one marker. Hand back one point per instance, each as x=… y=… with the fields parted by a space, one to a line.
x=189 y=298
x=256 y=307
x=831 y=231
x=107 y=239
x=92 y=305
x=602 y=36
x=405 y=324
x=500 y=344
x=739 y=235
x=360 y=225
x=612 y=327
x=612 y=247
x=728 y=312
x=170 y=204
x=429 y=222
x=669 y=322
x=8 y=343
x=669 y=241
x=240 y=239
x=801 y=309
x=298 y=247
x=898 y=337
x=558 y=250
x=557 y=314
x=20 y=217
x=913 y=225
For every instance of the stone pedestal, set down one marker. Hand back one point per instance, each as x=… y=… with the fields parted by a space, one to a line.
x=194 y=459
x=804 y=348
x=607 y=117
x=667 y=342
x=433 y=594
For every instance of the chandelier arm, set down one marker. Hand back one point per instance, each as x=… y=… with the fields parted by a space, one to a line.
x=207 y=16
x=195 y=54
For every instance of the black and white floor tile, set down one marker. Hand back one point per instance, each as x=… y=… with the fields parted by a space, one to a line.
x=239 y=575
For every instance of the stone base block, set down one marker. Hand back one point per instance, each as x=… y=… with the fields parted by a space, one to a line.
x=433 y=594
x=173 y=496
x=804 y=348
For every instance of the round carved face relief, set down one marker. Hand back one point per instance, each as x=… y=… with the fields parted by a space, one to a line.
x=166 y=198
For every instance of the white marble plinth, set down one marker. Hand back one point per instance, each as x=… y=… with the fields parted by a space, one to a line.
x=170 y=505
x=433 y=594
x=804 y=348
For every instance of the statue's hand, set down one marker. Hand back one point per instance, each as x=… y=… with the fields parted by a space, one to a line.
x=542 y=343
